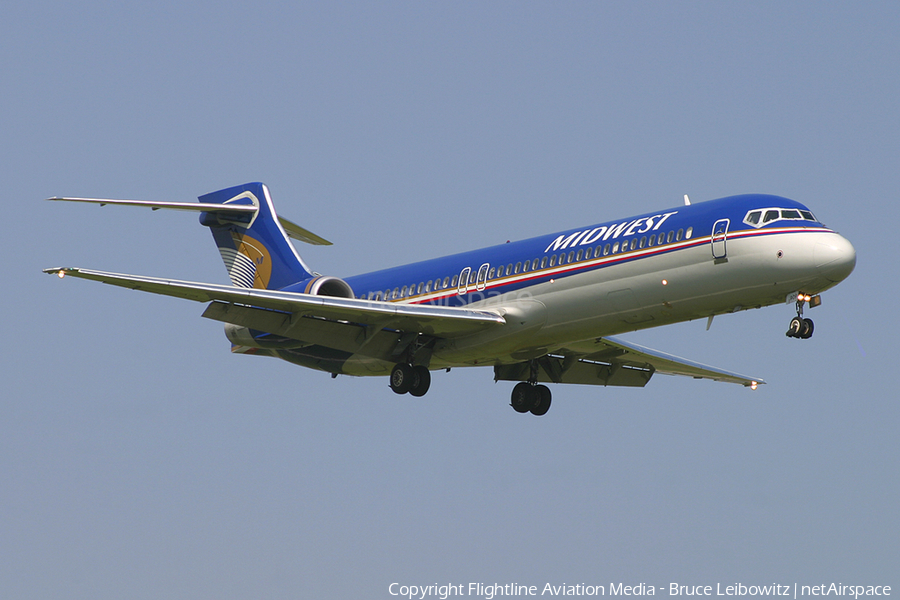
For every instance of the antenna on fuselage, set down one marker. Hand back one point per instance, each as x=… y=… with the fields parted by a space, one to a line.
x=687 y=201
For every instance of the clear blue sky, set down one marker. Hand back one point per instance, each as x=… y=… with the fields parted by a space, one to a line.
x=140 y=459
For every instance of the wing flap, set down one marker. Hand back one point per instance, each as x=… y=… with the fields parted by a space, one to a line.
x=609 y=361
x=665 y=363
x=439 y=321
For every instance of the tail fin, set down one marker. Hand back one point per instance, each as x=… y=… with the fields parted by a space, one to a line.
x=253 y=245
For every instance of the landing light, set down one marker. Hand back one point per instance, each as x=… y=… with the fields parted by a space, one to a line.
x=665 y=282
x=61 y=274
x=753 y=385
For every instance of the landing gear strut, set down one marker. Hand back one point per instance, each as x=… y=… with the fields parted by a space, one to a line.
x=801 y=328
x=406 y=378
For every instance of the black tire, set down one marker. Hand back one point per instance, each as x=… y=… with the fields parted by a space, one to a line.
x=523 y=398
x=543 y=404
x=421 y=381
x=795 y=327
x=807 y=330
x=402 y=378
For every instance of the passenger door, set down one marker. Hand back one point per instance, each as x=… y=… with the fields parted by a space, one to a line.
x=719 y=235
x=463 y=281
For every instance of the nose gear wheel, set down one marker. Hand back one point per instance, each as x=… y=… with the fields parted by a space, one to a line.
x=800 y=327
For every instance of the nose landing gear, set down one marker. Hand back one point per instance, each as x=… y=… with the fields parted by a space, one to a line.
x=803 y=328
x=800 y=328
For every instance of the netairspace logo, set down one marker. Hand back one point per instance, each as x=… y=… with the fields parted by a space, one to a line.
x=489 y=591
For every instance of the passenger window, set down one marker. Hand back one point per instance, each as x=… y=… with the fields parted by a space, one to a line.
x=615 y=247
x=679 y=235
x=571 y=256
x=669 y=237
x=771 y=215
x=643 y=241
x=525 y=266
x=491 y=273
x=553 y=260
x=395 y=293
x=454 y=280
x=403 y=292
x=544 y=263
x=427 y=286
x=518 y=267
x=421 y=287
x=562 y=258
x=605 y=250
x=688 y=233
x=580 y=255
x=634 y=243
x=446 y=283
x=509 y=269
x=598 y=251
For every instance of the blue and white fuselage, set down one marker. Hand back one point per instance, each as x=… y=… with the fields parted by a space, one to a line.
x=540 y=309
x=628 y=274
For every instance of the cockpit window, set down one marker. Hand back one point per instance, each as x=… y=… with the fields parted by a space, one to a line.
x=768 y=215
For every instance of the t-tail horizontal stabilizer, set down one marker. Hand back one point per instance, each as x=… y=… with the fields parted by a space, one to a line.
x=252 y=239
x=292 y=229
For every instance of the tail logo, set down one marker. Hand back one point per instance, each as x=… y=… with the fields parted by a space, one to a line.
x=248 y=262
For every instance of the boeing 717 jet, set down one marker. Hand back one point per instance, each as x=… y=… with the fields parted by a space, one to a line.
x=536 y=311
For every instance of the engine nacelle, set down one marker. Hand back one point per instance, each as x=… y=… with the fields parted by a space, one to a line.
x=329 y=286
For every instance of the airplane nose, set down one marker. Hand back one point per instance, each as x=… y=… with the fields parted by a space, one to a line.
x=835 y=258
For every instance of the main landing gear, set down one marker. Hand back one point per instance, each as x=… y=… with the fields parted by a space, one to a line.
x=529 y=397
x=406 y=378
x=803 y=328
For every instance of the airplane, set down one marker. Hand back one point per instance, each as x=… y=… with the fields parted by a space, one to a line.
x=537 y=311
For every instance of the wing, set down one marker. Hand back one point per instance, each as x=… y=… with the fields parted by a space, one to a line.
x=608 y=361
x=438 y=321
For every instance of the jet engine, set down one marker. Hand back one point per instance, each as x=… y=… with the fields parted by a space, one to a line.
x=329 y=286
